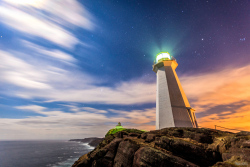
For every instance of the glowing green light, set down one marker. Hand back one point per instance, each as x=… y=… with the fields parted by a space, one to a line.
x=163 y=56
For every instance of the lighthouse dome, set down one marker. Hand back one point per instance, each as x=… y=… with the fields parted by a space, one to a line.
x=162 y=56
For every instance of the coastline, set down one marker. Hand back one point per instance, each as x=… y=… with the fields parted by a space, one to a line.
x=91 y=141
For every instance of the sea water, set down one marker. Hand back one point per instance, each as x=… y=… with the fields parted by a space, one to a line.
x=41 y=153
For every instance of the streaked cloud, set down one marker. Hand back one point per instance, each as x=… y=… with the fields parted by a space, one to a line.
x=125 y=93
x=82 y=123
x=238 y=119
x=218 y=97
x=34 y=3
x=37 y=72
x=21 y=16
x=227 y=86
x=33 y=108
x=63 y=12
x=53 y=53
x=36 y=26
x=51 y=83
x=18 y=72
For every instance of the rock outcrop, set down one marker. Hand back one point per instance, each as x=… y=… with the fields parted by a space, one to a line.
x=92 y=141
x=170 y=147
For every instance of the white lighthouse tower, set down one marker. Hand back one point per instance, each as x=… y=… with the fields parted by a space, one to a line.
x=172 y=106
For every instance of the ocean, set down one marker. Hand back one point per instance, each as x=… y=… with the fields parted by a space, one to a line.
x=41 y=153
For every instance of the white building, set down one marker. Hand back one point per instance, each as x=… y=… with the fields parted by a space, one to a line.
x=172 y=106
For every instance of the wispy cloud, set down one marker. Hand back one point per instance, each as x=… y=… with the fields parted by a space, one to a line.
x=53 y=53
x=36 y=26
x=64 y=12
x=221 y=98
x=18 y=72
x=51 y=83
x=125 y=93
x=61 y=125
x=33 y=108
x=21 y=16
x=227 y=86
x=238 y=119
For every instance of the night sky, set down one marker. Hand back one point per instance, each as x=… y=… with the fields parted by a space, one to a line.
x=73 y=69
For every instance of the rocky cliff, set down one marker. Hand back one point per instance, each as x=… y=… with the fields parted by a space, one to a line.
x=170 y=147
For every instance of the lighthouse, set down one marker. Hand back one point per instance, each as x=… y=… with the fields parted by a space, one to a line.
x=172 y=106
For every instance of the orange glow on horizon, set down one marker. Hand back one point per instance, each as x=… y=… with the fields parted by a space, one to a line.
x=224 y=96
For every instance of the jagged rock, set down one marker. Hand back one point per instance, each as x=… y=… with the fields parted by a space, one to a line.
x=243 y=133
x=125 y=154
x=83 y=161
x=170 y=147
x=100 y=156
x=144 y=135
x=238 y=151
x=147 y=157
x=121 y=134
x=95 y=142
x=108 y=158
x=189 y=151
x=133 y=134
x=150 y=138
x=224 y=164
x=246 y=144
x=112 y=149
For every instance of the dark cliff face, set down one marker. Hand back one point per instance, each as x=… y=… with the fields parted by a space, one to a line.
x=170 y=147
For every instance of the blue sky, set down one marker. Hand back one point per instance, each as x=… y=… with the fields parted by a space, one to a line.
x=73 y=69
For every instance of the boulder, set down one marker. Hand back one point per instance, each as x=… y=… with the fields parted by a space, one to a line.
x=125 y=153
x=148 y=157
x=144 y=135
x=197 y=154
x=246 y=144
x=150 y=138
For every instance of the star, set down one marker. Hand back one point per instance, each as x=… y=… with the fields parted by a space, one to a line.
x=241 y=39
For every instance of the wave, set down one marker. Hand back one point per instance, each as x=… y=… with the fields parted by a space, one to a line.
x=65 y=163
x=88 y=146
x=70 y=161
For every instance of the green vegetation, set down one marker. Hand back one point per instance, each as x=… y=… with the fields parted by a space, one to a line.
x=115 y=130
x=119 y=128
